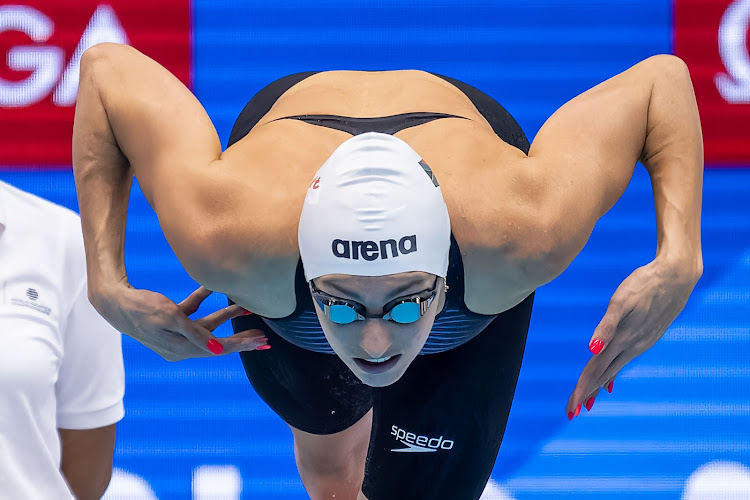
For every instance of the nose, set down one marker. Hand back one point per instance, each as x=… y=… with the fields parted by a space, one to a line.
x=375 y=338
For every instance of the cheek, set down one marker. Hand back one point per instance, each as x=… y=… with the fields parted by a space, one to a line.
x=413 y=340
x=339 y=338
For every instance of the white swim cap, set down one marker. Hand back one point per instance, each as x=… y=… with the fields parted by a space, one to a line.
x=374 y=208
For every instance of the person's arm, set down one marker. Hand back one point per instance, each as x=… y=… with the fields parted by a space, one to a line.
x=133 y=117
x=87 y=460
x=581 y=162
x=584 y=156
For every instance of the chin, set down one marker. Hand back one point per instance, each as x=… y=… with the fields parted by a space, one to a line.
x=382 y=380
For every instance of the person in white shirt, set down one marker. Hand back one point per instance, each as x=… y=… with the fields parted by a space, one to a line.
x=61 y=369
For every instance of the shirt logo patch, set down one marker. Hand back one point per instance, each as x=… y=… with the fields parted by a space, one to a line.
x=30 y=300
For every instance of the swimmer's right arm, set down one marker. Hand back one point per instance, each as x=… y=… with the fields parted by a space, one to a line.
x=135 y=118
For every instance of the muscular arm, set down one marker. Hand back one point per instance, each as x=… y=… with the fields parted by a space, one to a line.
x=87 y=460
x=584 y=156
x=134 y=117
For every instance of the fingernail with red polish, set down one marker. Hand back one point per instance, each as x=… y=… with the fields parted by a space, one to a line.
x=571 y=415
x=263 y=347
x=596 y=346
x=610 y=385
x=246 y=312
x=589 y=404
x=578 y=410
x=214 y=346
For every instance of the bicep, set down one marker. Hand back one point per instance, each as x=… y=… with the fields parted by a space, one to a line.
x=156 y=122
x=128 y=104
x=87 y=459
x=584 y=156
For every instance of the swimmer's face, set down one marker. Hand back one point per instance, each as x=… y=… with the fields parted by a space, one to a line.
x=374 y=338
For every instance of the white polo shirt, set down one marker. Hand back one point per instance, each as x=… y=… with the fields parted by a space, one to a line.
x=60 y=362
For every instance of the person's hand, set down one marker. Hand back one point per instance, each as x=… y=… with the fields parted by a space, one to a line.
x=165 y=328
x=640 y=311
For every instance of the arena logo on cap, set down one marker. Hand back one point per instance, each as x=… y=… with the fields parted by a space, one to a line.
x=41 y=45
x=371 y=250
x=711 y=36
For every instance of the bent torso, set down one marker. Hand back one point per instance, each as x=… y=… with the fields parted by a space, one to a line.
x=285 y=154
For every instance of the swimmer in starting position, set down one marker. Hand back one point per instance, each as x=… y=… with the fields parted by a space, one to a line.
x=388 y=231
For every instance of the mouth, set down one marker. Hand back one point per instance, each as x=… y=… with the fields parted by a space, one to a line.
x=377 y=365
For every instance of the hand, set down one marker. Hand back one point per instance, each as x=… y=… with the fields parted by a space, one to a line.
x=165 y=328
x=640 y=311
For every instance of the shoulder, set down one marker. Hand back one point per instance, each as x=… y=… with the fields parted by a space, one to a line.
x=495 y=198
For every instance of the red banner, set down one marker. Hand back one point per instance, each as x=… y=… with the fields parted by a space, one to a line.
x=712 y=37
x=41 y=43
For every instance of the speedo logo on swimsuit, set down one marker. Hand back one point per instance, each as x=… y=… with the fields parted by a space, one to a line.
x=419 y=444
x=371 y=250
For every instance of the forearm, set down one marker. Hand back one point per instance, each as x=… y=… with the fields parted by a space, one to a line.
x=673 y=156
x=103 y=180
x=87 y=460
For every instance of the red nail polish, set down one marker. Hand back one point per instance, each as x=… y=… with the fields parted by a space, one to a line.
x=578 y=410
x=246 y=312
x=589 y=404
x=570 y=415
x=596 y=346
x=263 y=347
x=214 y=346
x=610 y=385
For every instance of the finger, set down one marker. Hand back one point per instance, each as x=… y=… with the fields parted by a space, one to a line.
x=589 y=404
x=194 y=300
x=198 y=335
x=605 y=330
x=587 y=382
x=248 y=340
x=213 y=320
x=610 y=385
x=608 y=377
x=175 y=347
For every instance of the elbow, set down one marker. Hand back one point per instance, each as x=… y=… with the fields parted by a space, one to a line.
x=95 y=57
x=101 y=52
x=669 y=69
x=102 y=58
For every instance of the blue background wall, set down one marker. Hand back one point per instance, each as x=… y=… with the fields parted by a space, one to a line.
x=682 y=404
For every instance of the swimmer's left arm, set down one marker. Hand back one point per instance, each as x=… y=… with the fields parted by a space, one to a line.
x=585 y=154
x=582 y=160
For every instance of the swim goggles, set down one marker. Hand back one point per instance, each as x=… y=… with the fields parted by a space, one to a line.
x=402 y=310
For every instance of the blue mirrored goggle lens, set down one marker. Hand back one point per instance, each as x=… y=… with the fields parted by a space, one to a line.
x=406 y=312
x=341 y=314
